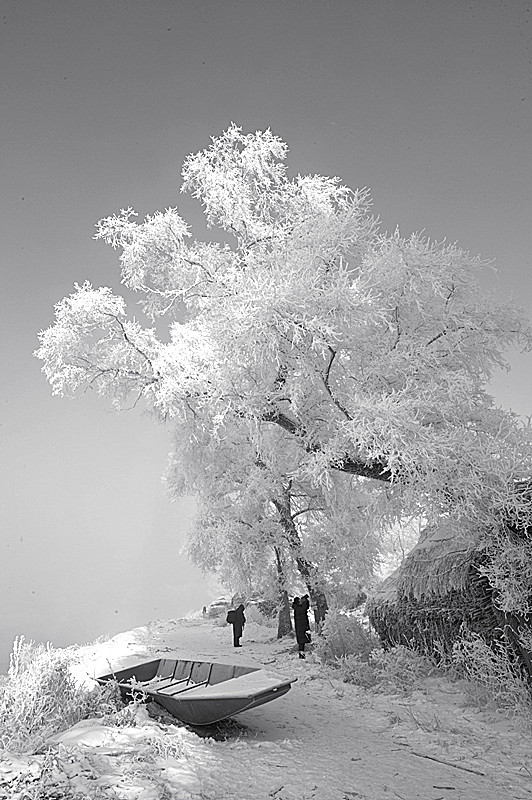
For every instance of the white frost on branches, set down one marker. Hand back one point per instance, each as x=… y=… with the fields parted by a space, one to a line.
x=369 y=353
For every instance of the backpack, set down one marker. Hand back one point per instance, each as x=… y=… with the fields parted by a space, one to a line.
x=231 y=617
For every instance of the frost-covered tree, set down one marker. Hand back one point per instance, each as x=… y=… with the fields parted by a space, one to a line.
x=371 y=352
x=261 y=524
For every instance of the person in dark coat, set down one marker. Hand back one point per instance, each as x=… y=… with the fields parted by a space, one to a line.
x=305 y=602
x=301 y=624
x=238 y=620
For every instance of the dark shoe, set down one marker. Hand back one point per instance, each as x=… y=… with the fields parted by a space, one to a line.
x=237 y=645
x=301 y=655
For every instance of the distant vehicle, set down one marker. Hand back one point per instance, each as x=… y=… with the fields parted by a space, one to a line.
x=218 y=607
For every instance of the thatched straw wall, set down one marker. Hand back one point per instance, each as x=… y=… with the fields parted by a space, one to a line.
x=437 y=590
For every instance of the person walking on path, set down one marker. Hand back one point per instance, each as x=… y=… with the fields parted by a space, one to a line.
x=301 y=623
x=237 y=619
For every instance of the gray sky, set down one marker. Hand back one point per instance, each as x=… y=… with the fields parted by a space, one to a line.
x=427 y=103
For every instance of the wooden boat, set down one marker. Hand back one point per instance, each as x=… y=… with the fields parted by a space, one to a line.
x=199 y=692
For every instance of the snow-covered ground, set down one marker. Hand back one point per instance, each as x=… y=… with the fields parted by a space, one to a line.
x=325 y=739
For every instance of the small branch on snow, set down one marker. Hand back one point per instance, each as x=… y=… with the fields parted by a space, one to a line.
x=435 y=338
x=448 y=763
x=307 y=511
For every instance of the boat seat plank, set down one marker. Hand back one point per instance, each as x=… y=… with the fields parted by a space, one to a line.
x=162 y=683
x=168 y=691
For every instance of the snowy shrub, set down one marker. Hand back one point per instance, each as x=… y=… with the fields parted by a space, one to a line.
x=254 y=614
x=353 y=669
x=47 y=781
x=525 y=639
x=492 y=676
x=400 y=669
x=141 y=765
x=40 y=697
x=342 y=636
x=509 y=570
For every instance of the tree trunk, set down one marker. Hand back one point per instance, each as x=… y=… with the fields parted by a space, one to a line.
x=318 y=599
x=284 y=624
x=319 y=605
x=305 y=567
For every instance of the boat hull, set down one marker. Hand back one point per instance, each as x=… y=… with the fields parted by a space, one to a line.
x=199 y=692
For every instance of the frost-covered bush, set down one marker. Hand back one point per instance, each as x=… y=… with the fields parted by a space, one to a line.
x=59 y=772
x=254 y=614
x=492 y=675
x=509 y=570
x=40 y=697
x=525 y=639
x=343 y=635
x=398 y=670
x=353 y=669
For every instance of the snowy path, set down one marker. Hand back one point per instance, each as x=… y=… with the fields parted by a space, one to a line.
x=324 y=740
x=332 y=741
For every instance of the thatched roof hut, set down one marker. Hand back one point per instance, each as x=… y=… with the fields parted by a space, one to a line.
x=441 y=560
x=437 y=590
